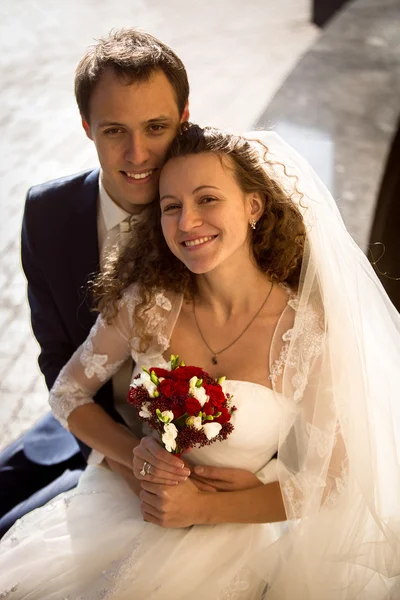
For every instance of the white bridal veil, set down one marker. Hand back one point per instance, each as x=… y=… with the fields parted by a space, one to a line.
x=338 y=371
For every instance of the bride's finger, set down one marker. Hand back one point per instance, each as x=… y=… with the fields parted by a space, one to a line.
x=162 y=459
x=172 y=470
x=151 y=472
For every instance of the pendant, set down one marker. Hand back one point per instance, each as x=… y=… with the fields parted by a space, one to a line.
x=214 y=360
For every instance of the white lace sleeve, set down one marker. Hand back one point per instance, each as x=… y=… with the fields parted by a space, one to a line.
x=96 y=361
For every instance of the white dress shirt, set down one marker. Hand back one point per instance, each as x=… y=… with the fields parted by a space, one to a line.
x=111 y=221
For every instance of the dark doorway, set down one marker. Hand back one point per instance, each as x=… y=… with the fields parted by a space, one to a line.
x=323 y=10
x=385 y=233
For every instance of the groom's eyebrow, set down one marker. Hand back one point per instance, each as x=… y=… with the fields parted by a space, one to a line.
x=160 y=119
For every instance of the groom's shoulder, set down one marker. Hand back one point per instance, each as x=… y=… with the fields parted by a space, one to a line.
x=63 y=189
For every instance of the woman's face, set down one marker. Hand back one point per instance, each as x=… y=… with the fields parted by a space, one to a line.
x=205 y=215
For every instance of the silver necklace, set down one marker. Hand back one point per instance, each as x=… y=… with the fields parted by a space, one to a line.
x=215 y=354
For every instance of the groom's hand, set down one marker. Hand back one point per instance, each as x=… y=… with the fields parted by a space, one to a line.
x=224 y=479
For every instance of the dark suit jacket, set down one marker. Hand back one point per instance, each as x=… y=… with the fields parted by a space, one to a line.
x=59 y=254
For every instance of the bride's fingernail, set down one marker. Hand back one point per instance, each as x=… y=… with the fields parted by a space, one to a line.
x=199 y=470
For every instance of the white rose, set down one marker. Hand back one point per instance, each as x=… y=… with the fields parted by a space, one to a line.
x=199 y=394
x=169 y=436
x=211 y=430
x=145 y=380
x=166 y=416
x=194 y=422
x=144 y=411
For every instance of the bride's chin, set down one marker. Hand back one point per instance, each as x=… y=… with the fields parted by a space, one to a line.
x=198 y=269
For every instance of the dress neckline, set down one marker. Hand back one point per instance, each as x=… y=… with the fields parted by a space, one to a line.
x=174 y=309
x=265 y=387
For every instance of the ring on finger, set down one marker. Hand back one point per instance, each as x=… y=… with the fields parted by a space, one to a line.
x=145 y=469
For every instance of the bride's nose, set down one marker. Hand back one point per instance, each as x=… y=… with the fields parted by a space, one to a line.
x=190 y=218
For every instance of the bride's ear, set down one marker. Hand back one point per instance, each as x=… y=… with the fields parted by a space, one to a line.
x=256 y=206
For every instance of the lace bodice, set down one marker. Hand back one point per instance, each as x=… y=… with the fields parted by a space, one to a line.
x=109 y=345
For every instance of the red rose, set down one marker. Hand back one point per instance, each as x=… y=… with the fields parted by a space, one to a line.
x=217 y=396
x=224 y=416
x=177 y=409
x=208 y=408
x=167 y=388
x=193 y=406
x=187 y=373
x=161 y=372
x=181 y=388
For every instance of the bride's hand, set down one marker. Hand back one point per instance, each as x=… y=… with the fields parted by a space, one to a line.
x=225 y=479
x=169 y=506
x=163 y=467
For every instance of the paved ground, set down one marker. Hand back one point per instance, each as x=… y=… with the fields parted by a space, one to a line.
x=237 y=55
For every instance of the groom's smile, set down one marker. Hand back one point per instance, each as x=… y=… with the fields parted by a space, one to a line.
x=132 y=126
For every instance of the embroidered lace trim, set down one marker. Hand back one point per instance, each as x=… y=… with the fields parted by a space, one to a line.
x=96 y=364
x=65 y=396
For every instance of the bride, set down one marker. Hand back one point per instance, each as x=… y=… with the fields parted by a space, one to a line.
x=249 y=273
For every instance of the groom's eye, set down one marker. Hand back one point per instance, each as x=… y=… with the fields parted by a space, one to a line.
x=113 y=131
x=156 y=128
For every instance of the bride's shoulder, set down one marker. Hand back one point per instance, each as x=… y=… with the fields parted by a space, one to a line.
x=149 y=302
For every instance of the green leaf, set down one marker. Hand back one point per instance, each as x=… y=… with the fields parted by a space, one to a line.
x=199 y=383
x=146 y=370
x=180 y=422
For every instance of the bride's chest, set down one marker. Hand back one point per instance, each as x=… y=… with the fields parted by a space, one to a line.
x=246 y=358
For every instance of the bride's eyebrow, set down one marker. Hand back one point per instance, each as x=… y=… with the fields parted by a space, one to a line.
x=214 y=187
x=200 y=187
x=168 y=196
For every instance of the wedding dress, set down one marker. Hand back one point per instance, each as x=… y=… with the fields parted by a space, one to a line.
x=92 y=542
x=333 y=415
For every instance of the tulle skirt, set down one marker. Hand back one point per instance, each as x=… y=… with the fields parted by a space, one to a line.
x=92 y=543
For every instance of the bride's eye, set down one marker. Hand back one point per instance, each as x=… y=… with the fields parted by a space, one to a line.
x=207 y=199
x=170 y=207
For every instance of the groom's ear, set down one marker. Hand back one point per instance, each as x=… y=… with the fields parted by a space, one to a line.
x=186 y=113
x=86 y=127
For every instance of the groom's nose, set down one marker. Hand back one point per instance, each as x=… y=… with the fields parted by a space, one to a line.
x=136 y=150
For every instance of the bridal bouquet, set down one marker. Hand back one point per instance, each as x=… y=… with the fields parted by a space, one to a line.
x=184 y=404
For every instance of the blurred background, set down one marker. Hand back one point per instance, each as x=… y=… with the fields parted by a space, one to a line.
x=325 y=74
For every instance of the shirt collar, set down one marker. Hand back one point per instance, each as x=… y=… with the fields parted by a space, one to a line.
x=113 y=214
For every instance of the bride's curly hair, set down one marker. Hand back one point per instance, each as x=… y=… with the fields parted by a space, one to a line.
x=277 y=243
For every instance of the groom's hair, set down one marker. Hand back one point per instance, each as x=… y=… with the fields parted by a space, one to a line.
x=133 y=56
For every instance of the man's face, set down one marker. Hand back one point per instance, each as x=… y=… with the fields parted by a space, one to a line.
x=132 y=126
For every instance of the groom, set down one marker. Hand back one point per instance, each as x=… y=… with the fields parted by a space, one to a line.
x=132 y=92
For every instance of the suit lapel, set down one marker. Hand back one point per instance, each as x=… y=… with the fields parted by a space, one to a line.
x=84 y=248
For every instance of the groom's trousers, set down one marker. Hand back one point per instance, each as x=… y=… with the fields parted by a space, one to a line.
x=26 y=484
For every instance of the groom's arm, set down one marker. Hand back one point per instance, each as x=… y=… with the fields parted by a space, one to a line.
x=55 y=346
